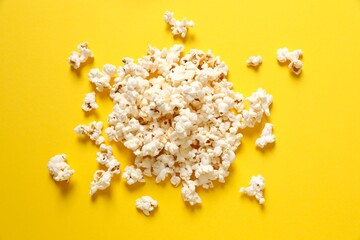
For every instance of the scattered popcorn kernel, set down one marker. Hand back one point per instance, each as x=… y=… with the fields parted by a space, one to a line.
x=93 y=131
x=59 y=169
x=100 y=79
x=80 y=56
x=105 y=157
x=283 y=55
x=255 y=188
x=266 y=136
x=133 y=175
x=254 y=61
x=189 y=193
x=89 y=102
x=102 y=180
x=177 y=27
x=146 y=204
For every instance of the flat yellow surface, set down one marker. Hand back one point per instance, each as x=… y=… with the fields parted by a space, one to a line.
x=312 y=172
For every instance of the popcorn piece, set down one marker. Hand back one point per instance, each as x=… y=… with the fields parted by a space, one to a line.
x=254 y=61
x=256 y=187
x=283 y=55
x=89 y=102
x=105 y=157
x=102 y=79
x=178 y=27
x=146 y=204
x=59 y=169
x=133 y=175
x=93 y=131
x=189 y=193
x=180 y=117
x=266 y=136
x=81 y=56
x=102 y=180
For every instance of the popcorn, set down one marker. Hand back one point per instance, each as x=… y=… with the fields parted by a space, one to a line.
x=59 y=169
x=102 y=180
x=146 y=204
x=180 y=117
x=102 y=79
x=189 y=193
x=254 y=61
x=177 y=27
x=105 y=157
x=266 y=136
x=283 y=55
x=256 y=187
x=93 y=131
x=81 y=56
x=89 y=102
x=133 y=175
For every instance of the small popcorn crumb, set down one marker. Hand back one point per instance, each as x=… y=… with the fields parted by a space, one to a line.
x=89 y=102
x=255 y=188
x=178 y=27
x=59 y=169
x=80 y=56
x=283 y=55
x=133 y=175
x=254 y=61
x=93 y=131
x=146 y=204
x=266 y=136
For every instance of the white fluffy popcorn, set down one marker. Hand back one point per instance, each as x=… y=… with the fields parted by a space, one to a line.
x=101 y=79
x=80 y=56
x=93 y=131
x=102 y=180
x=177 y=27
x=254 y=61
x=59 y=169
x=89 y=102
x=146 y=204
x=255 y=188
x=266 y=136
x=180 y=117
x=283 y=55
x=133 y=175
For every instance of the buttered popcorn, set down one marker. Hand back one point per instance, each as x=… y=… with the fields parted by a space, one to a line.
x=80 y=56
x=59 y=168
x=283 y=55
x=266 y=136
x=255 y=188
x=180 y=117
x=178 y=27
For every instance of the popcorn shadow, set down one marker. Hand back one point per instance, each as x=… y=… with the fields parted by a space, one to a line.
x=65 y=187
x=134 y=187
x=255 y=68
x=244 y=197
x=193 y=208
x=78 y=72
x=92 y=113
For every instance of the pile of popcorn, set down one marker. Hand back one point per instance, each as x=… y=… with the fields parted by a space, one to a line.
x=179 y=116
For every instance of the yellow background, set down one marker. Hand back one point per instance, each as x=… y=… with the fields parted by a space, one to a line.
x=312 y=172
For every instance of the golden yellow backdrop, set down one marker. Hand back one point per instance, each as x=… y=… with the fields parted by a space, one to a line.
x=312 y=173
